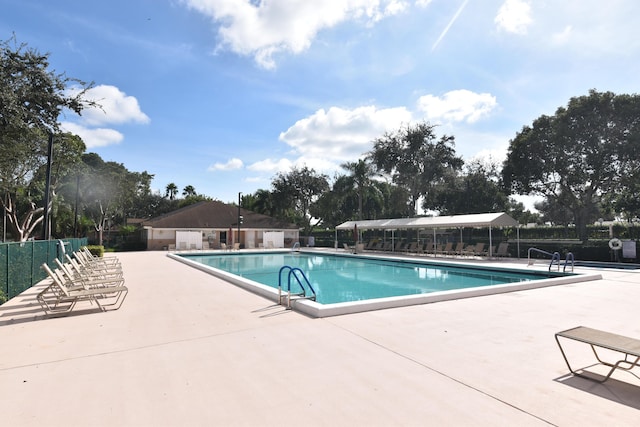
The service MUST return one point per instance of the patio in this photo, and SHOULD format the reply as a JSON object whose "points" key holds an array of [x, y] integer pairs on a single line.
{"points": [[187, 348]]}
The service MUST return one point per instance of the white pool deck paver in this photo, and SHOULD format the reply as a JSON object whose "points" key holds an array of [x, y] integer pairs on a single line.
{"points": [[187, 348]]}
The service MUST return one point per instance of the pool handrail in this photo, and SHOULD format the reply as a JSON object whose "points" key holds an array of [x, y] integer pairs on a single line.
{"points": [[555, 257], [295, 247], [293, 271], [566, 261]]}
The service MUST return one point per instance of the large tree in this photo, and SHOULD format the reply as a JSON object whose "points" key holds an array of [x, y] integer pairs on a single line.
{"points": [[261, 202], [32, 96], [108, 192], [294, 192], [580, 154], [477, 190], [22, 178], [360, 179], [416, 159]]}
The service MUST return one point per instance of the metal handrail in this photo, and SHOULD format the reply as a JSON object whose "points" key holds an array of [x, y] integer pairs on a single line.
{"points": [[536, 250], [555, 257], [293, 271], [295, 246], [566, 261]]}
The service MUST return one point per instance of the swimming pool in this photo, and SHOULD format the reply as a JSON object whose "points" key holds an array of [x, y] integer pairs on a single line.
{"points": [[346, 283]]}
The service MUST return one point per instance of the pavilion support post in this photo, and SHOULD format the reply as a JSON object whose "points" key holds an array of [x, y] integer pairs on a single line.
{"points": [[490, 243]]}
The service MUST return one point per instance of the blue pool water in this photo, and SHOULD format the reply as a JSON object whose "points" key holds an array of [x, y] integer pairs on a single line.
{"points": [[339, 279]]}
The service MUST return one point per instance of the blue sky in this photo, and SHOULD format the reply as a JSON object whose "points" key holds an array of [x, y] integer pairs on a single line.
{"points": [[224, 94]]}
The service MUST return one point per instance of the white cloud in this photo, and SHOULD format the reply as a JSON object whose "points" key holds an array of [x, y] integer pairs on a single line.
{"points": [[423, 3], [265, 28], [563, 36], [271, 165], [514, 16], [327, 138], [232, 164], [339, 134], [115, 107], [96, 137], [457, 106], [332, 136]]}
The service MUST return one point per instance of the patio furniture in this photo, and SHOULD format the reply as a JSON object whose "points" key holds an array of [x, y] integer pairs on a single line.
{"points": [[94, 268], [458, 249], [503, 250], [476, 250], [419, 248], [62, 294], [86, 256], [595, 338], [448, 248], [88, 279], [348, 248]]}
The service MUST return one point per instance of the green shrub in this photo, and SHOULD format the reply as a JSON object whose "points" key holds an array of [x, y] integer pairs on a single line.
{"points": [[96, 250]]}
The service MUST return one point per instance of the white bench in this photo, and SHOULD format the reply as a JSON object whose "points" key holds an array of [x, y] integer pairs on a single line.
{"points": [[630, 347]]}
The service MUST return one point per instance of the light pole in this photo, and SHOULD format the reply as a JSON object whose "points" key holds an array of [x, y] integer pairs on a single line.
{"points": [[46, 232], [239, 218]]}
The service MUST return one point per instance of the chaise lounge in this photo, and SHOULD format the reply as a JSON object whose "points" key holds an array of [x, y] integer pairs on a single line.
{"points": [[595, 338], [62, 294]]}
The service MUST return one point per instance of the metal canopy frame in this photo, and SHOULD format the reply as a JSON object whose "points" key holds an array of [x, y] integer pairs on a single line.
{"points": [[488, 220]]}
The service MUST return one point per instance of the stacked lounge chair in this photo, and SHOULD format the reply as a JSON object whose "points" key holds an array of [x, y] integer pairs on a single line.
{"points": [[83, 278]]}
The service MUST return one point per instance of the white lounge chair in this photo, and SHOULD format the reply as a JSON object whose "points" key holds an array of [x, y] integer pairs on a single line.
{"points": [[90, 278], [62, 295]]}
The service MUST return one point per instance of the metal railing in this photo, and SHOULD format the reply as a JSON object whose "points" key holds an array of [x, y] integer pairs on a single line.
{"points": [[555, 258], [299, 276]]}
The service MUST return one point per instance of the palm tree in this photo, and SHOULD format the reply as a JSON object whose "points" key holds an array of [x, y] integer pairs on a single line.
{"points": [[262, 202], [171, 191], [189, 191], [361, 177]]}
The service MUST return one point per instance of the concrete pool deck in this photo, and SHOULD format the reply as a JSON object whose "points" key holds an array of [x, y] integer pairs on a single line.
{"points": [[187, 348]]}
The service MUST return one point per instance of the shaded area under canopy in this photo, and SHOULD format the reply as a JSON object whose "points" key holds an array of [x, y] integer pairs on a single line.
{"points": [[489, 220]]}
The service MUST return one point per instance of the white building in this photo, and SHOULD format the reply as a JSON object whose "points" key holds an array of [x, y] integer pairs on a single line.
{"points": [[214, 225]]}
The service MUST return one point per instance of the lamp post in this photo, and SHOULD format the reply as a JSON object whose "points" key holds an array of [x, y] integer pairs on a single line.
{"points": [[239, 218], [46, 233]]}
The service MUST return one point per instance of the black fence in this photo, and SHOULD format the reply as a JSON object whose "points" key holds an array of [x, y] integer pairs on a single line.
{"points": [[551, 239], [20, 262]]}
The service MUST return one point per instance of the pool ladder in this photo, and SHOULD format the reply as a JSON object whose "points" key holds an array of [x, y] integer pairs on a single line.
{"points": [[299, 276], [555, 259]]}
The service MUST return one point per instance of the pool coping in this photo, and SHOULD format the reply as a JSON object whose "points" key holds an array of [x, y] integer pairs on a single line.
{"points": [[317, 310]]}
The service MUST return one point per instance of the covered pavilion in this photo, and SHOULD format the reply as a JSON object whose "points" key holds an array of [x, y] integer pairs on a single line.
{"points": [[483, 220]]}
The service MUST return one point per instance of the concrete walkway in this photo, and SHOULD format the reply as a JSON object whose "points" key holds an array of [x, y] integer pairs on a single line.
{"points": [[187, 349]]}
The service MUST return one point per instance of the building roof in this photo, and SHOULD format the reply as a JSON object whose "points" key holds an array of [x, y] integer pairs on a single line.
{"points": [[499, 219], [214, 214]]}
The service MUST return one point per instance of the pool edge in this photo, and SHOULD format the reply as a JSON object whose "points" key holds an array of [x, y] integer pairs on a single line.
{"points": [[317, 310]]}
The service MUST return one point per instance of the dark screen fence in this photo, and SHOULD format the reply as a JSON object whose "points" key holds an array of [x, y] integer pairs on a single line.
{"points": [[20, 262]]}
